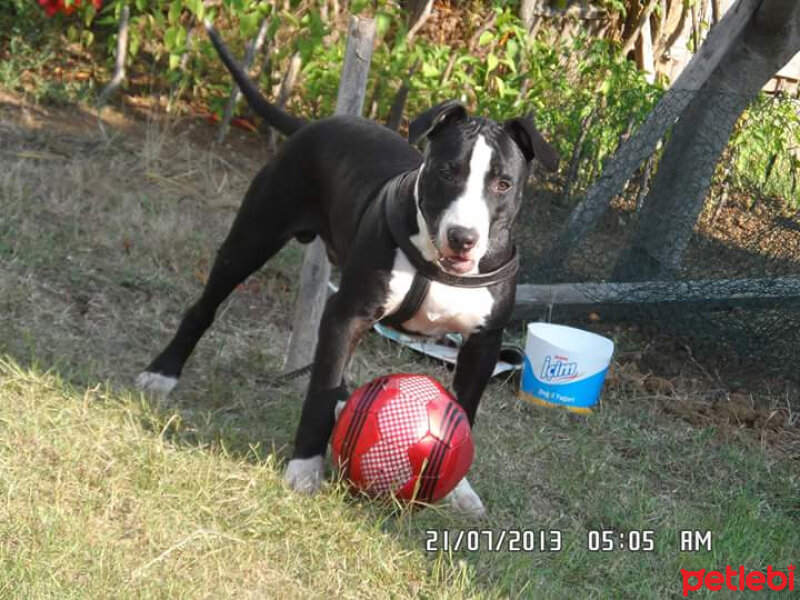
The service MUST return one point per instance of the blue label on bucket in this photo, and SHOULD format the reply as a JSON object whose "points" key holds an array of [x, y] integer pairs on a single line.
{"points": [[560, 386]]}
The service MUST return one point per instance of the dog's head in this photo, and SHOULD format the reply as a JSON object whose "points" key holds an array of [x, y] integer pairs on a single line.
{"points": [[470, 183]]}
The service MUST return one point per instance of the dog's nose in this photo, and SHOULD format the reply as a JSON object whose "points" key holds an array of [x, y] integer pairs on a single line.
{"points": [[462, 239]]}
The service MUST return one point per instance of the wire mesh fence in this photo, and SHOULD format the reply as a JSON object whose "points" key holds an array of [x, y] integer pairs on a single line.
{"points": [[706, 255]]}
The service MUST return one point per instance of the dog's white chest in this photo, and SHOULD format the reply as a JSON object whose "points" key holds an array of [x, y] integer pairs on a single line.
{"points": [[446, 309]]}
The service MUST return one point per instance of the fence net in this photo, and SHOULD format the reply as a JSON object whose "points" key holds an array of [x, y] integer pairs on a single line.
{"points": [[708, 277]]}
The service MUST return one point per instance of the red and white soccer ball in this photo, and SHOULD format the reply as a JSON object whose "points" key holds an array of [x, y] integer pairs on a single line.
{"points": [[405, 435]]}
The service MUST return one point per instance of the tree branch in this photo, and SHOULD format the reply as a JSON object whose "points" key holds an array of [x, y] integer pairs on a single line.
{"points": [[122, 55], [249, 54], [421, 12], [637, 29]]}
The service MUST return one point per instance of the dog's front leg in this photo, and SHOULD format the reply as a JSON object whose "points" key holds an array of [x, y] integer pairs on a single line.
{"points": [[476, 361], [341, 327]]}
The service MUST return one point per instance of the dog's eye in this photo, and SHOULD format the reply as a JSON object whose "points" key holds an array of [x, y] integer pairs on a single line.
{"points": [[447, 173], [501, 185]]}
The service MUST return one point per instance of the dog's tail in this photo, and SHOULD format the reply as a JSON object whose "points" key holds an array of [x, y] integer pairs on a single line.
{"points": [[277, 118]]}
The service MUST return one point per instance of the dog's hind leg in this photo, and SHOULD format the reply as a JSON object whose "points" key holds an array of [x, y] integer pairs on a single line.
{"points": [[259, 231]]}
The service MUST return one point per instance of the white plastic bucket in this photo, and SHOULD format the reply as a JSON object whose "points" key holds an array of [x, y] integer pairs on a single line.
{"points": [[564, 366]]}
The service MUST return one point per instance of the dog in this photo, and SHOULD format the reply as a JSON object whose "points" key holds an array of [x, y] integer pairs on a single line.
{"points": [[422, 240]]}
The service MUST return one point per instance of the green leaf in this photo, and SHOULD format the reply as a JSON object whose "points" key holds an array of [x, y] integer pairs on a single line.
{"points": [[169, 38], [491, 62], [87, 37], [174, 61], [248, 25], [175, 11], [512, 48], [157, 18], [88, 15], [274, 25], [199, 10], [501, 86], [134, 42], [72, 33], [382, 23], [180, 39], [486, 37], [429, 71]]}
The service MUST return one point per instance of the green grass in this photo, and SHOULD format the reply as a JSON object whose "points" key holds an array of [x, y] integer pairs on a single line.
{"points": [[105, 493], [98, 499]]}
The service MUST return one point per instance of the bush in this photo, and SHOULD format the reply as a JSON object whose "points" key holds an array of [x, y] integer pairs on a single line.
{"points": [[576, 84], [765, 147]]}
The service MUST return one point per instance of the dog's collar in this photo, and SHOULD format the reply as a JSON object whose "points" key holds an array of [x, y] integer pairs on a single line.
{"points": [[396, 215]]}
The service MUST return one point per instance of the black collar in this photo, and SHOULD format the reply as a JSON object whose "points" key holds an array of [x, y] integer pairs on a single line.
{"points": [[396, 213]]}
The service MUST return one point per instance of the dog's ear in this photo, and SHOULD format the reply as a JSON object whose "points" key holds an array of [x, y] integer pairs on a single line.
{"points": [[531, 142], [448, 111]]}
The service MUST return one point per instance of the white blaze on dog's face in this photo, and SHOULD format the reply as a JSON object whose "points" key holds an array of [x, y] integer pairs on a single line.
{"points": [[463, 234]]}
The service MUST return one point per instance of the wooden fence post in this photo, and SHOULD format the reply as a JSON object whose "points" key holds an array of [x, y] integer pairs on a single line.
{"points": [[316, 268]]}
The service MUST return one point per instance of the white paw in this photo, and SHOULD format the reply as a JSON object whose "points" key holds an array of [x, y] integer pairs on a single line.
{"points": [[305, 474], [339, 408], [156, 382], [464, 500]]}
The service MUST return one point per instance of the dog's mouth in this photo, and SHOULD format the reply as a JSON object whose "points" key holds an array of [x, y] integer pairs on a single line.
{"points": [[457, 264]]}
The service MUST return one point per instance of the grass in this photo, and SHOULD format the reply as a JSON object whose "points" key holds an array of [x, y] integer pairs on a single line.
{"points": [[105, 493], [97, 498]]}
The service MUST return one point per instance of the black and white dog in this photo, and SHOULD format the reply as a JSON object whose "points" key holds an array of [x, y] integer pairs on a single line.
{"points": [[422, 241]]}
